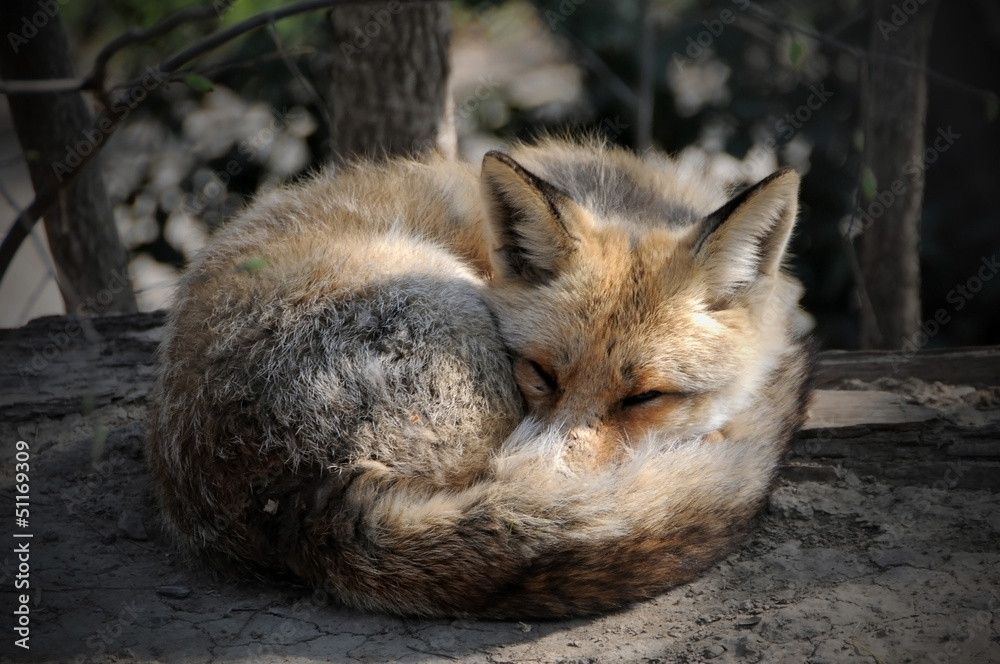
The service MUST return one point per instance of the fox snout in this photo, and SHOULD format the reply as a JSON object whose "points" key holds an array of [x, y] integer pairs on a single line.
{"points": [[584, 433], [590, 444]]}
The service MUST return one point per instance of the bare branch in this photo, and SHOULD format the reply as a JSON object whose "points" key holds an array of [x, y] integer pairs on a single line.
{"points": [[321, 106], [252, 23], [27, 218], [868, 55], [45, 198], [212, 70], [41, 86], [594, 63], [95, 80]]}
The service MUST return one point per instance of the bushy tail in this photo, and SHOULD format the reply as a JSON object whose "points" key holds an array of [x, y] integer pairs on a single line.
{"points": [[533, 539]]}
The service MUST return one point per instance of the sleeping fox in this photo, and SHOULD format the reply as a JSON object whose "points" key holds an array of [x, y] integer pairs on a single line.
{"points": [[551, 388]]}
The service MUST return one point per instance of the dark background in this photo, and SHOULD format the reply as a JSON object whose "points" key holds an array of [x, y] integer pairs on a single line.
{"points": [[768, 68]]}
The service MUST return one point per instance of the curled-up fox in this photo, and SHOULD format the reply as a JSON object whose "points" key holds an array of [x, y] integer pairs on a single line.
{"points": [[552, 388]]}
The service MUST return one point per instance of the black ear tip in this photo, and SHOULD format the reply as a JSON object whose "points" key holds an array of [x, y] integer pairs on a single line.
{"points": [[492, 154], [496, 155]]}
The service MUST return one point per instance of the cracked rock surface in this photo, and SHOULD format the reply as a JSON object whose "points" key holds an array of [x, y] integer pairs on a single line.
{"points": [[848, 571]]}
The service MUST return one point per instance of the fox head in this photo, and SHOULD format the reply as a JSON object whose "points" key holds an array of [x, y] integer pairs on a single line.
{"points": [[636, 311]]}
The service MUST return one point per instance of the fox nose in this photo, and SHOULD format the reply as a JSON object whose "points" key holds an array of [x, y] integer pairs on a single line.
{"points": [[583, 432], [586, 447]]}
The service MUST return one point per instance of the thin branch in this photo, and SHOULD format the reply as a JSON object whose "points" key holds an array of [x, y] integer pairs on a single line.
{"points": [[95, 81], [627, 96], [862, 54], [45, 198], [41, 86], [6, 195], [25, 220], [847, 22], [594, 63], [241, 28], [173, 64], [39, 247], [321, 106], [53, 273], [213, 70], [50, 270]]}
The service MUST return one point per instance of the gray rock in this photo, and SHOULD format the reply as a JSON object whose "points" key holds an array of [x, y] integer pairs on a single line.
{"points": [[173, 592], [131, 525], [789, 506], [712, 652]]}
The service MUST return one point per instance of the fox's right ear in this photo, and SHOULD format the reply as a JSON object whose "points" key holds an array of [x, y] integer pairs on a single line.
{"points": [[746, 238], [529, 221]]}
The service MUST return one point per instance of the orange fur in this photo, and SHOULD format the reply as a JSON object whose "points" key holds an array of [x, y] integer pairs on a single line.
{"points": [[549, 390]]}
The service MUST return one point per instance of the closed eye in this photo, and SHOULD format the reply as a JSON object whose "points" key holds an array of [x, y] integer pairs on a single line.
{"points": [[641, 398], [546, 377]]}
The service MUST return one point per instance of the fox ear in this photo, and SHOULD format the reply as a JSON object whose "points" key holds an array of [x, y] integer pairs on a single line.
{"points": [[528, 220], [747, 237]]}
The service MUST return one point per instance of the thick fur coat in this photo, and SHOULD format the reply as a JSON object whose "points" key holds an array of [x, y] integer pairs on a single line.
{"points": [[551, 388]]}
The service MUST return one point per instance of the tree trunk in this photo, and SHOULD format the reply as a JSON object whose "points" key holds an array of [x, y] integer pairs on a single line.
{"points": [[646, 65], [389, 79], [896, 110], [91, 263]]}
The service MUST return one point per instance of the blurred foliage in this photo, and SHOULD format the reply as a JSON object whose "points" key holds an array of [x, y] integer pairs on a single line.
{"points": [[765, 68], [767, 72], [93, 23], [726, 85]]}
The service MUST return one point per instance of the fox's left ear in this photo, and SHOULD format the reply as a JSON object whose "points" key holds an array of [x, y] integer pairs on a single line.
{"points": [[746, 238], [529, 221]]}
